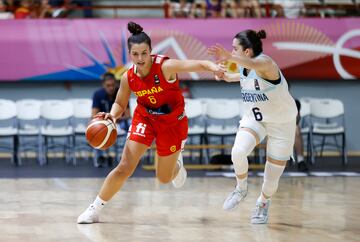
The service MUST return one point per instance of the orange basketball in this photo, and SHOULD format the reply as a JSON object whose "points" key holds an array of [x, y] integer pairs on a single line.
{"points": [[101, 134]]}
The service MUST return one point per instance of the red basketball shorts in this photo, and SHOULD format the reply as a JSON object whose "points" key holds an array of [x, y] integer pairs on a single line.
{"points": [[168, 138]]}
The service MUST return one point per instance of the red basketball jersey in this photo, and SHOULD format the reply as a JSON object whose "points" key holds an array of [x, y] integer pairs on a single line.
{"points": [[154, 92]]}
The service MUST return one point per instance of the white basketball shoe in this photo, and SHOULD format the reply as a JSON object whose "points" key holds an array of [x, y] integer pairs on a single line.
{"points": [[89, 216], [260, 214], [180, 178], [235, 198]]}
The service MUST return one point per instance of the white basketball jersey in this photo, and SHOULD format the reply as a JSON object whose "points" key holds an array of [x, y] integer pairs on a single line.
{"points": [[266, 101]]}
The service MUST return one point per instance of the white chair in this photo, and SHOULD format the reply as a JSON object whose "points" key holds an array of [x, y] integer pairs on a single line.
{"points": [[57, 126], [328, 119], [222, 119], [8, 129], [82, 115], [195, 114], [28, 116]]}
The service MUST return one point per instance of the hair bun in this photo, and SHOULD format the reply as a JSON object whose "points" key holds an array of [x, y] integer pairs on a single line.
{"points": [[134, 28], [261, 34]]}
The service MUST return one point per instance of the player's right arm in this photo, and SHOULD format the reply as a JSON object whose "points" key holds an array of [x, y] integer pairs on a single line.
{"points": [[229, 77], [121, 101]]}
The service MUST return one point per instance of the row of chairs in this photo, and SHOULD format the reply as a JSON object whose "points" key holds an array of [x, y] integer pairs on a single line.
{"points": [[35, 124], [43, 126], [321, 119]]}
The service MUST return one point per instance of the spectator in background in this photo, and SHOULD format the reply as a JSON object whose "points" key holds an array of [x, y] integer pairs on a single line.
{"points": [[180, 8], [23, 12], [4, 12], [288, 8], [41, 9], [249, 8], [198, 9], [213, 8], [103, 99], [86, 4], [228, 9]]}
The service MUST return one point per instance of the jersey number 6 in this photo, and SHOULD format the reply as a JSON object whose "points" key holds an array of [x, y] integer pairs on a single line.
{"points": [[152, 99], [258, 116]]}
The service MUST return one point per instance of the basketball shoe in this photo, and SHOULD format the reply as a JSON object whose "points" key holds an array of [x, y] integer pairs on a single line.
{"points": [[235, 198], [89, 216], [260, 214]]}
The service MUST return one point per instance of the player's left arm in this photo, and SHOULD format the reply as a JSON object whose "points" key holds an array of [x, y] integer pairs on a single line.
{"points": [[172, 66], [263, 65]]}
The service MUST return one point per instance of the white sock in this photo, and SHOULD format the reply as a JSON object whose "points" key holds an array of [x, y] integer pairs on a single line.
{"points": [[262, 199], [241, 183], [98, 204]]}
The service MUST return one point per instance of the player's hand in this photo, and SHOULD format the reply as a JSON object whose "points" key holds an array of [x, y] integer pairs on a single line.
{"points": [[220, 75], [219, 71], [220, 53], [105, 116]]}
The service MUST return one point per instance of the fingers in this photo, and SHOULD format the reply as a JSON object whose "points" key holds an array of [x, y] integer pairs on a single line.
{"points": [[105, 116], [99, 115], [108, 116]]}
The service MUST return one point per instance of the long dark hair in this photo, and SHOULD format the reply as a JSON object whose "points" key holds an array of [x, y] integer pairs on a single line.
{"points": [[137, 35], [251, 39]]}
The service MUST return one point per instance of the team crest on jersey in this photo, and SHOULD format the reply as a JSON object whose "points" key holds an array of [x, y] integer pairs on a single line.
{"points": [[157, 80], [257, 86]]}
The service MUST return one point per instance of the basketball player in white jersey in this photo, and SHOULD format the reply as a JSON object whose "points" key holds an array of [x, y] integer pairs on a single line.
{"points": [[271, 112]]}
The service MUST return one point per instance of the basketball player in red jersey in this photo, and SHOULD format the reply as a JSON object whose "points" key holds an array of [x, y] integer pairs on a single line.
{"points": [[158, 116]]}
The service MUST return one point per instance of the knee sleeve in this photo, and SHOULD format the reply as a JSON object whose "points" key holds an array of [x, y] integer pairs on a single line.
{"points": [[245, 142], [272, 176]]}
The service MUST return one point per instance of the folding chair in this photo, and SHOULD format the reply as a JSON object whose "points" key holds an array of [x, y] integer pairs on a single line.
{"points": [[328, 120], [28, 116], [56, 127], [82, 115], [8, 129], [195, 114], [222, 118]]}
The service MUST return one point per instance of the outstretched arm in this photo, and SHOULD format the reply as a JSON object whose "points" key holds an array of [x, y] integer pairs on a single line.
{"points": [[172, 66], [229, 77], [260, 65]]}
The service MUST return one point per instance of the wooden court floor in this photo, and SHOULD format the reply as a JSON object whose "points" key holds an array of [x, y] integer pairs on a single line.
{"points": [[304, 209]]}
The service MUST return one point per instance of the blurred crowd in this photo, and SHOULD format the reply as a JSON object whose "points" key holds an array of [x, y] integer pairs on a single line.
{"points": [[253, 9], [38, 9], [24, 9]]}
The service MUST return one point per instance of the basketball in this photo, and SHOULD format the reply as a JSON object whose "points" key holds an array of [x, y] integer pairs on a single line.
{"points": [[101, 134]]}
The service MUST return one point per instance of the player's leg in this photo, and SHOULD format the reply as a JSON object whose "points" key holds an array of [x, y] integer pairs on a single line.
{"points": [[170, 142], [140, 137], [248, 136], [131, 155], [170, 168], [280, 145]]}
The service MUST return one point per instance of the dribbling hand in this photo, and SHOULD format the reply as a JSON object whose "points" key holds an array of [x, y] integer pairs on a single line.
{"points": [[105, 116]]}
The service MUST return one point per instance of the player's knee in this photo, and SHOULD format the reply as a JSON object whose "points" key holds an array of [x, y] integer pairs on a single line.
{"points": [[238, 154], [124, 170], [239, 159]]}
